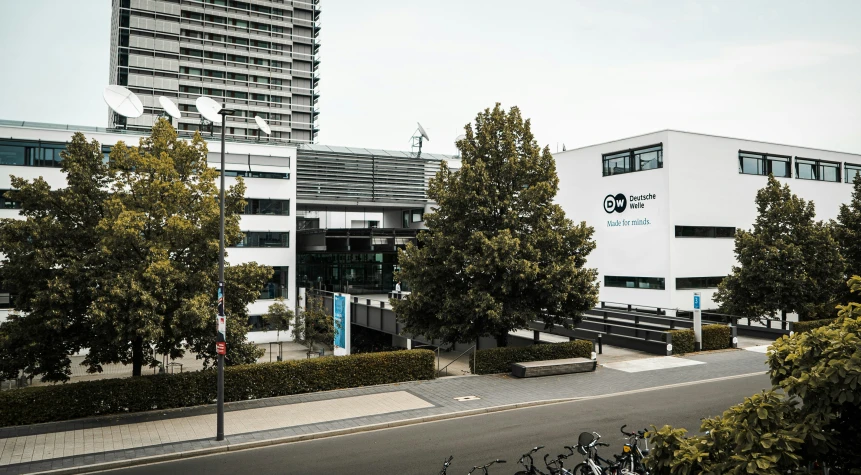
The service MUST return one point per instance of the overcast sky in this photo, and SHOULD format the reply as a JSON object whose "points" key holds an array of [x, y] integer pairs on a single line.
{"points": [[584, 71]]}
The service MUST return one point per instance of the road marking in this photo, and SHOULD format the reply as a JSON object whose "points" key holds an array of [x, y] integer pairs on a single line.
{"points": [[652, 364], [758, 349], [467, 398]]}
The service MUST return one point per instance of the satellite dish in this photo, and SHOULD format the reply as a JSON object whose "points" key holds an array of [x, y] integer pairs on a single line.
{"points": [[208, 108], [122, 101], [459, 138], [169, 107], [262, 125], [422, 130]]}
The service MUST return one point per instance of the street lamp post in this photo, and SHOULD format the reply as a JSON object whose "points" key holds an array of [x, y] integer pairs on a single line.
{"points": [[221, 337]]}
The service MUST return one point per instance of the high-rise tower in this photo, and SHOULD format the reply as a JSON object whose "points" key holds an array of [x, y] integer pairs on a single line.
{"points": [[259, 57]]}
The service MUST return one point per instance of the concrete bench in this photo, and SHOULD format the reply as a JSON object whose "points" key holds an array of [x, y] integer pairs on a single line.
{"points": [[551, 367]]}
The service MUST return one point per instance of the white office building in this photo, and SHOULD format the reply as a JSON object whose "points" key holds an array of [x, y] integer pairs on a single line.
{"points": [[269, 221], [665, 206]]}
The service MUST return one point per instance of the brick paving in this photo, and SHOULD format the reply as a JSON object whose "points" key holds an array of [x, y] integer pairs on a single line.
{"points": [[71, 444]]}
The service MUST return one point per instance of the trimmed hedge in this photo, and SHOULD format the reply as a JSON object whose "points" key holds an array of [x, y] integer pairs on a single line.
{"points": [[800, 327], [112, 396], [499, 360], [683, 341], [715, 337]]}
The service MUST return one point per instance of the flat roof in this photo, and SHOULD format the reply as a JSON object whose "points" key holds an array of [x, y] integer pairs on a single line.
{"points": [[318, 148], [708, 135]]}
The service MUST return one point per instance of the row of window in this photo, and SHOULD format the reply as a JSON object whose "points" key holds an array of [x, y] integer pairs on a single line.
{"points": [[30, 154], [413, 216], [705, 231], [633, 160], [235, 40], [250, 174], [752, 163], [265, 239], [220, 20], [236, 58], [212, 92], [212, 73], [267, 207], [658, 283]]}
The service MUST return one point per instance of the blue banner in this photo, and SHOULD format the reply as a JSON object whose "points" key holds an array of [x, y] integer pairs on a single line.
{"points": [[340, 321]]}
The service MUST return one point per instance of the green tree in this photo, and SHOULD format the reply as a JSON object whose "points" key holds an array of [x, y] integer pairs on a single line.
{"points": [[314, 325], [123, 261], [787, 263], [278, 317], [810, 416], [847, 233], [498, 252]]}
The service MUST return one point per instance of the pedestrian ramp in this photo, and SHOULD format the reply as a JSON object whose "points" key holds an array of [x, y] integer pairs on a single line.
{"points": [[758, 348], [651, 364]]}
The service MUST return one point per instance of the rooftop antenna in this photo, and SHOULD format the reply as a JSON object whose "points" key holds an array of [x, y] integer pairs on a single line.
{"points": [[123, 102], [418, 137], [262, 125], [169, 109], [208, 109]]}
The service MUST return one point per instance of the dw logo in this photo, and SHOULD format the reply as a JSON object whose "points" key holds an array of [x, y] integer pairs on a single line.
{"points": [[616, 203]]}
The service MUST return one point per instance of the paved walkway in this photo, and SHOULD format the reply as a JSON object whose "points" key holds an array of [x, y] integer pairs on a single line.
{"points": [[72, 446]]}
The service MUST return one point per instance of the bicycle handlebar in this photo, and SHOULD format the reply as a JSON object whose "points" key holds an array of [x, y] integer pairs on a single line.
{"points": [[640, 434]]}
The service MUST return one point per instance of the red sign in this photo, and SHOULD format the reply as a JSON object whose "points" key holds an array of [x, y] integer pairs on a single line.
{"points": [[221, 347]]}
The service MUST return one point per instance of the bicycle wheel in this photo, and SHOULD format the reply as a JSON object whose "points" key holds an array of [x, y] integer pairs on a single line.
{"points": [[582, 469]]}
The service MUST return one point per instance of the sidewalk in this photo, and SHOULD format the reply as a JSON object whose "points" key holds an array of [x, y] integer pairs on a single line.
{"points": [[114, 441]]}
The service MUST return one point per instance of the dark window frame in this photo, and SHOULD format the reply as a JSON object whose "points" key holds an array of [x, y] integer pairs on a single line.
{"points": [[632, 160], [766, 163], [705, 232], [265, 239], [692, 283], [850, 166], [613, 281], [818, 169], [266, 207]]}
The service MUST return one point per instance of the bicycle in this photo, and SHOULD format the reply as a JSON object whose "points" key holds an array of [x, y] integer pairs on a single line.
{"points": [[632, 456], [484, 467], [445, 465], [587, 446], [556, 466], [529, 464]]}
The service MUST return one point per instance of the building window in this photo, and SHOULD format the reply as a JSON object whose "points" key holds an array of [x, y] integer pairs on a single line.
{"points": [[683, 283], [277, 284], [417, 215], [705, 231], [268, 207], [250, 174], [654, 283], [752, 163], [6, 203], [30, 154], [633, 160], [307, 223], [810, 169], [850, 171], [264, 239]]}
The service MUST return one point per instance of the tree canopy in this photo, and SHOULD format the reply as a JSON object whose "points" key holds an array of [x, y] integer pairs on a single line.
{"points": [[787, 263], [847, 233], [123, 260], [498, 252], [314, 324]]}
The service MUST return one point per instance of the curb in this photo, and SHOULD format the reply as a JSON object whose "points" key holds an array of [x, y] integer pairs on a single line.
{"points": [[366, 428]]}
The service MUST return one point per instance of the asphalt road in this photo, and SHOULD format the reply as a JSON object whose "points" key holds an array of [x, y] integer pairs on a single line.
{"points": [[420, 449]]}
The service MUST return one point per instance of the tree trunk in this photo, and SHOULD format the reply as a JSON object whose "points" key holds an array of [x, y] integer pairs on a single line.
{"points": [[783, 315], [502, 340], [137, 356]]}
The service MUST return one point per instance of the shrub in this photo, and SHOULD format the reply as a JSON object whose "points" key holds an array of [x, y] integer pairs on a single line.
{"points": [[683, 341], [111, 396], [716, 337], [799, 327], [499, 360]]}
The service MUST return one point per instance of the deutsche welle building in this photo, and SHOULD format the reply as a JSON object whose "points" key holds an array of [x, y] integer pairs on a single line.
{"points": [[665, 206]]}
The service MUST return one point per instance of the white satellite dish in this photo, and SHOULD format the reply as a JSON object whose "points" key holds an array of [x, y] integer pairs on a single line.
{"points": [[208, 108], [422, 130], [169, 107], [262, 125], [459, 138], [122, 101]]}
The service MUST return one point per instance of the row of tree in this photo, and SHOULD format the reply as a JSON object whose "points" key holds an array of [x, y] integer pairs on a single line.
{"points": [[790, 262]]}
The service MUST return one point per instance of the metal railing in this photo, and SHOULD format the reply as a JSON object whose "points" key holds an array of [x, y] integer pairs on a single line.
{"points": [[445, 368]]}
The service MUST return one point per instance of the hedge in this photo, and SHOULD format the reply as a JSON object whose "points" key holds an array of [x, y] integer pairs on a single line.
{"points": [[800, 327], [499, 360], [715, 337], [683, 341], [112, 396]]}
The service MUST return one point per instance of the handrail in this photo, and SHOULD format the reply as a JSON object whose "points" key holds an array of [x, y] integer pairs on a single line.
{"points": [[473, 347], [435, 351]]}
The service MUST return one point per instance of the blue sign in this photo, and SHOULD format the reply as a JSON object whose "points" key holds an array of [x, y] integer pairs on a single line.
{"points": [[696, 302], [340, 321]]}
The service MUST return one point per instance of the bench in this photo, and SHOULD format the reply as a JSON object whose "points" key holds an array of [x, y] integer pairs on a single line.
{"points": [[551, 367]]}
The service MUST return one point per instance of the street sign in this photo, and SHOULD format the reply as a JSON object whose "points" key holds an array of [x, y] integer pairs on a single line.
{"points": [[698, 323], [696, 301]]}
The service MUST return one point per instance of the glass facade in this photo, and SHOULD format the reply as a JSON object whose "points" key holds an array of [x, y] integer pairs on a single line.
{"points": [[354, 273], [267, 207], [277, 284], [30, 154], [264, 239]]}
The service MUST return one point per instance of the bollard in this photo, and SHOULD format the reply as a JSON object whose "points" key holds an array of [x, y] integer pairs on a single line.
{"points": [[600, 346]]}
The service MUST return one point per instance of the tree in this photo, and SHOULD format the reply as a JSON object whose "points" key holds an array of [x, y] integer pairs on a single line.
{"points": [[787, 263], [278, 317], [314, 325], [847, 233], [811, 415], [123, 261], [498, 253]]}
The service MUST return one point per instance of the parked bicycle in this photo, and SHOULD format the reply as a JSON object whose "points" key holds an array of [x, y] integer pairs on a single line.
{"points": [[484, 467], [632, 455], [556, 466], [528, 463], [445, 465], [593, 464]]}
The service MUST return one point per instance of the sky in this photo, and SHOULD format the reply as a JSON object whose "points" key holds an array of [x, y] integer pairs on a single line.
{"points": [[584, 72]]}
